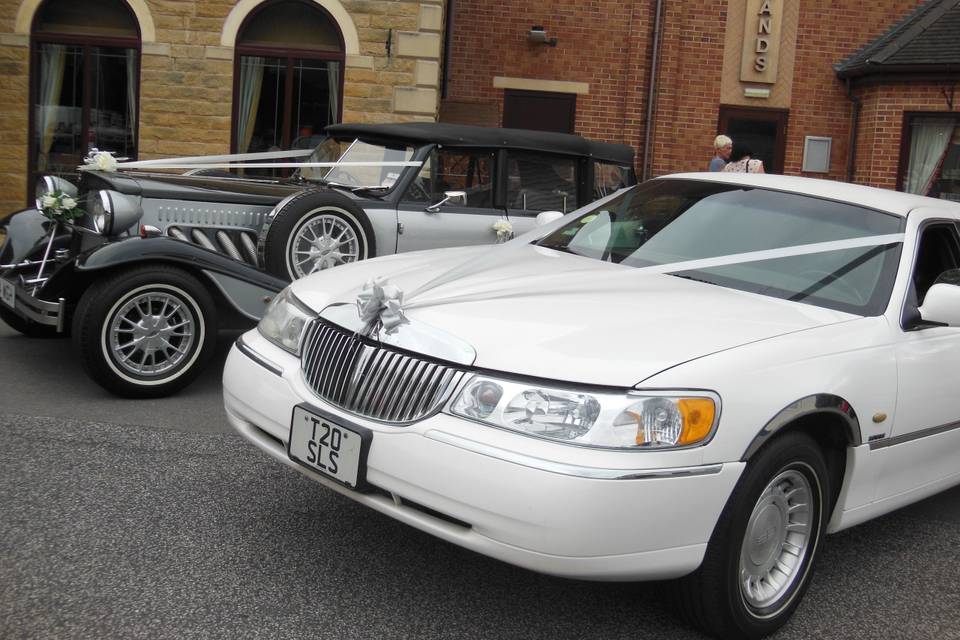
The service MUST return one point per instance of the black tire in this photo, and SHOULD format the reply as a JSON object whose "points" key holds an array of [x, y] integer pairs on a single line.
{"points": [[28, 328], [305, 213], [712, 597], [179, 340]]}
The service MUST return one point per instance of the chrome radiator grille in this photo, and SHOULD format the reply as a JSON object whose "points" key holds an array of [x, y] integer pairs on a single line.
{"points": [[373, 380]]}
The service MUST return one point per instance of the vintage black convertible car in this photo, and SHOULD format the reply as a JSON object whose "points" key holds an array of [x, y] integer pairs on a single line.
{"points": [[160, 261]]}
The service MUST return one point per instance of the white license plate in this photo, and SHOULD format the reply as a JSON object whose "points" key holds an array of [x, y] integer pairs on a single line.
{"points": [[326, 446], [7, 293]]}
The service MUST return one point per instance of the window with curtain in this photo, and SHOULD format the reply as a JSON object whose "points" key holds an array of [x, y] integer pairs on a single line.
{"points": [[288, 79], [85, 81], [933, 160]]}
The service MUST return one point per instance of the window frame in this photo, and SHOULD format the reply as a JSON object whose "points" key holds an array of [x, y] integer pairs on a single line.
{"points": [[906, 138], [289, 55], [87, 43]]}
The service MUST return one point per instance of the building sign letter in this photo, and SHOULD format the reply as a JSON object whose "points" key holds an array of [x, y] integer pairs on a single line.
{"points": [[761, 41]]}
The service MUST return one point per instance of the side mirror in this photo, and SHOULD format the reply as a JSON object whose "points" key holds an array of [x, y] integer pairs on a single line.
{"points": [[454, 197], [942, 304], [546, 217]]}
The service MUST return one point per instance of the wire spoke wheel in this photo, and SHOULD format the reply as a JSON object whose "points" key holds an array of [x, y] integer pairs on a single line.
{"points": [[151, 333], [322, 242], [777, 540]]}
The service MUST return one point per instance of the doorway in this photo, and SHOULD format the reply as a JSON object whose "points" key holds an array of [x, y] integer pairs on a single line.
{"points": [[763, 131]]}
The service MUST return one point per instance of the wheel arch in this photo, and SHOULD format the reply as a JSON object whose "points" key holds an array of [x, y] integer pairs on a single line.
{"points": [[827, 418]]}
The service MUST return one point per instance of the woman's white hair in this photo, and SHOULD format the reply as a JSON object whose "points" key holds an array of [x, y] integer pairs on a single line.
{"points": [[721, 141]]}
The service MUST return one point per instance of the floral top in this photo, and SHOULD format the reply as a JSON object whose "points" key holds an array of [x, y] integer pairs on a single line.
{"points": [[747, 165]]}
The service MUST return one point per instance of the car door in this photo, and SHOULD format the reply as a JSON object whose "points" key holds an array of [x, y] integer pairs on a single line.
{"points": [[458, 222], [538, 182], [923, 445]]}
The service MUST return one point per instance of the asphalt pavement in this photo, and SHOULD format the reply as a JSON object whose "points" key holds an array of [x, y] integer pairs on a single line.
{"points": [[125, 519]]}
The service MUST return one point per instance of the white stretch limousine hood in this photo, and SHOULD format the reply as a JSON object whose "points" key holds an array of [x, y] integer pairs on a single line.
{"points": [[538, 312]]}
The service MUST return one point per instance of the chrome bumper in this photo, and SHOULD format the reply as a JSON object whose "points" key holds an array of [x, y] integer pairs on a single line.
{"points": [[25, 305]]}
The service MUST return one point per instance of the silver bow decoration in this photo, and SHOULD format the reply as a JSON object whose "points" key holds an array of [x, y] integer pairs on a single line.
{"points": [[380, 305]]}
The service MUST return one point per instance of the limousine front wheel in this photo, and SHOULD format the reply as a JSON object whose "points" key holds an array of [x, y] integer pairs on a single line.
{"points": [[146, 332], [759, 560]]}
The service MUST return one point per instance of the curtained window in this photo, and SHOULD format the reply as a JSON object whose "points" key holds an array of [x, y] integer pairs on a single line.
{"points": [[84, 83], [288, 79], [933, 163]]}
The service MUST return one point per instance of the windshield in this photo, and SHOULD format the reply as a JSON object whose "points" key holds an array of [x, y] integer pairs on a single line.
{"points": [[669, 221], [329, 150]]}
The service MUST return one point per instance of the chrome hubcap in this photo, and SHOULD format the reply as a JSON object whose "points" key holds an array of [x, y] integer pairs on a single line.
{"points": [[152, 333], [777, 540], [321, 243]]}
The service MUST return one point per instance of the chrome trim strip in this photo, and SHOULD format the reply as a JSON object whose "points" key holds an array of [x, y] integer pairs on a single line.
{"points": [[576, 471], [820, 403], [248, 351], [916, 435]]}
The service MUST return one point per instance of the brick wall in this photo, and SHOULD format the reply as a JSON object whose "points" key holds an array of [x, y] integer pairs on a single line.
{"points": [[882, 122], [608, 45], [600, 42], [820, 105], [186, 80]]}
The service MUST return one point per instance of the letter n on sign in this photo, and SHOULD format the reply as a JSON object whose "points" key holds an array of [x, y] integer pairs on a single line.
{"points": [[761, 41]]}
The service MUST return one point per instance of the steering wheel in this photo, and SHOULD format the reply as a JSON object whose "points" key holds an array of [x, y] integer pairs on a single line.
{"points": [[831, 278]]}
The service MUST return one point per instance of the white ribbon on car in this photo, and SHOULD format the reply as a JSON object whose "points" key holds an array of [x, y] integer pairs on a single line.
{"points": [[242, 161], [380, 306]]}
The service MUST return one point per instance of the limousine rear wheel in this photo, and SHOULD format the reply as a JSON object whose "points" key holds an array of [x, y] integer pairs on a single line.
{"points": [[145, 332], [316, 230], [759, 561]]}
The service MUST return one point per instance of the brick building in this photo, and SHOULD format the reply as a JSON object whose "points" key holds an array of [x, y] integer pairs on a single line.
{"points": [[841, 90]]}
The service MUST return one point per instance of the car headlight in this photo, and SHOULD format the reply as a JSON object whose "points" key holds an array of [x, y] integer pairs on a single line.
{"points": [[285, 321], [622, 420], [113, 212], [47, 185]]}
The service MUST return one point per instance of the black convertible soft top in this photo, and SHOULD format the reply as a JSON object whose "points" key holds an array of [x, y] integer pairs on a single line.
{"points": [[465, 136]]}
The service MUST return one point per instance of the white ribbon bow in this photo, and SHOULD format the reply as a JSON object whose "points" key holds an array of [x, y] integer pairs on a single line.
{"points": [[99, 161], [380, 305]]}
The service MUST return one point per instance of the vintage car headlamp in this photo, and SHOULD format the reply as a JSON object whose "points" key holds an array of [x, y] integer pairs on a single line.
{"points": [[596, 418], [285, 321], [113, 212], [48, 185]]}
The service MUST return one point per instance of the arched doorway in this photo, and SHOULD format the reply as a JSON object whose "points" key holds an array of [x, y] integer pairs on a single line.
{"points": [[84, 83], [288, 77]]}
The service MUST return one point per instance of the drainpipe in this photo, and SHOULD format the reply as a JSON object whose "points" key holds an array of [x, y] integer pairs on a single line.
{"points": [[854, 123], [651, 92]]}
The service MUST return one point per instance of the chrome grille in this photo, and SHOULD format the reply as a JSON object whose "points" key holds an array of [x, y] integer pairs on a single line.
{"points": [[371, 380]]}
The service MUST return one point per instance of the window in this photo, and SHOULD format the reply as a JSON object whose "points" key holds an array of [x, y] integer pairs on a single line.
{"points": [[84, 83], [451, 170], [932, 161], [673, 221], [288, 78], [541, 182]]}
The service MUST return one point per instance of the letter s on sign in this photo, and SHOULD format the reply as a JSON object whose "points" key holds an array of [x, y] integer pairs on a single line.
{"points": [[760, 64]]}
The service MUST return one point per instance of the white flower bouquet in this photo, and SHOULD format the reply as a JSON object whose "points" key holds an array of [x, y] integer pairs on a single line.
{"points": [[503, 229], [60, 207]]}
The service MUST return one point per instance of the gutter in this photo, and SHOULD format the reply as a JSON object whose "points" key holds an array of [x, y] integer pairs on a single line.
{"points": [[854, 123], [651, 92]]}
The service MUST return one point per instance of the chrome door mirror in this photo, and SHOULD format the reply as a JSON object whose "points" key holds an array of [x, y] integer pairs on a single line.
{"points": [[453, 197], [941, 305]]}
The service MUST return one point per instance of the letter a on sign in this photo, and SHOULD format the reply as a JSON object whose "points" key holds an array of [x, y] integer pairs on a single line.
{"points": [[765, 9]]}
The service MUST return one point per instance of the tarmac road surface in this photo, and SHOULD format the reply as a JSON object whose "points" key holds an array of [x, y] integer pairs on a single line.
{"points": [[133, 519]]}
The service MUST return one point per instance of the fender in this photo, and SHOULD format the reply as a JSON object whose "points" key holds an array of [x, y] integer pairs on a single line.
{"points": [[245, 287], [25, 230], [810, 405]]}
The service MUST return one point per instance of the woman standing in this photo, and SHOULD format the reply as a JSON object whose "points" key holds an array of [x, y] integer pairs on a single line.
{"points": [[741, 161]]}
